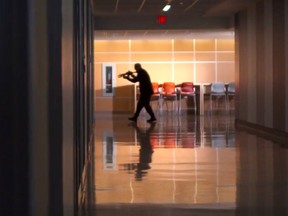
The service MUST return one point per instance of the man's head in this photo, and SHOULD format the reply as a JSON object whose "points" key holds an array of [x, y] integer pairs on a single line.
{"points": [[137, 66]]}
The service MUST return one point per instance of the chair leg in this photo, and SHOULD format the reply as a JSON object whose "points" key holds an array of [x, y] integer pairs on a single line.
{"points": [[228, 102], [159, 104], [167, 108], [180, 106], [195, 105], [210, 104], [164, 101]]}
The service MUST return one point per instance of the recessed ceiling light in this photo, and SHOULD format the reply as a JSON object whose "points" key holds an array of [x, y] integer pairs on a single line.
{"points": [[167, 7]]}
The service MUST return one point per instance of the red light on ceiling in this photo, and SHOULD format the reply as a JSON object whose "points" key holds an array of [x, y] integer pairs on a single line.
{"points": [[162, 19]]}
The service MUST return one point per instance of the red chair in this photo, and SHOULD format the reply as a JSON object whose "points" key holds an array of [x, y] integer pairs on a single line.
{"points": [[169, 93], [156, 95], [187, 91]]}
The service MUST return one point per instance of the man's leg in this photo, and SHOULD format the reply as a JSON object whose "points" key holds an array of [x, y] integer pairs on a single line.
{"points": [[139, 107], [151, 113], [149, 110]]}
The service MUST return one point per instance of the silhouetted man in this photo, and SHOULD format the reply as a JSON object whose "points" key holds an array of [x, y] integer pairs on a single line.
{"points": [[146, 91]]}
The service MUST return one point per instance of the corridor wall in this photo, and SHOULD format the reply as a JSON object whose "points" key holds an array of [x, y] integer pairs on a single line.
{"points": [[46, 111], [261, 65]]}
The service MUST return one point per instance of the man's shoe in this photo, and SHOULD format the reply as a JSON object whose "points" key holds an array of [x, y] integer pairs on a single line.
{"points": [[151, 120], [133, 119]]}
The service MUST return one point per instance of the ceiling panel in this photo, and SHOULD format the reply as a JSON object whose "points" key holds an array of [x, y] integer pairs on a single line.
{"points": [[126, 19], [152, 7]]}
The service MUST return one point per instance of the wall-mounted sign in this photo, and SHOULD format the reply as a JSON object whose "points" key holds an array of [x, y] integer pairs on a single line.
{"points": [[108, 79]]}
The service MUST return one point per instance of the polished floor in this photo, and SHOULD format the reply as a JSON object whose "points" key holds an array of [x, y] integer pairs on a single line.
{"points": [[184, 165]]}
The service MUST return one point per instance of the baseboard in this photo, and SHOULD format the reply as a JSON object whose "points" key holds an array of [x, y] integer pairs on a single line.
{"points": [[111, 113], [274, 135]]}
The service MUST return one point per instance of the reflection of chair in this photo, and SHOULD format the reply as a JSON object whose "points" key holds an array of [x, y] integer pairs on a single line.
{"points": [[188, 140], [219, 140], [230, 92], [170, 139], [156, 95], [186, 92], [155, 140], [219, 131], [169, 93], [218, 90], [220, 134], [231, 141]]}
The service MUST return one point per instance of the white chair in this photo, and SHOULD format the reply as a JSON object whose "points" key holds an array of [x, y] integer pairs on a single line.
{"points": [[218, 90]]}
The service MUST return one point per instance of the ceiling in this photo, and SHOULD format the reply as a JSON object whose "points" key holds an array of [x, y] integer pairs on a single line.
{"points": [[137, 19]]}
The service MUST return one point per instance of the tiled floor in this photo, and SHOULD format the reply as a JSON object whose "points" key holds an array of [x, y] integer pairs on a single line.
{"points": [[184, 166]]}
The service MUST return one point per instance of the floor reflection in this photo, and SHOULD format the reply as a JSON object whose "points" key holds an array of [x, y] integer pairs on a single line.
{"points": [[145, 151], [175, 160], [184, 165]]}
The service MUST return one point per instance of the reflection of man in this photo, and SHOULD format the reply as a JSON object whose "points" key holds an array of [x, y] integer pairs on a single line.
{"points": [[145, 152], [146, 91]]}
